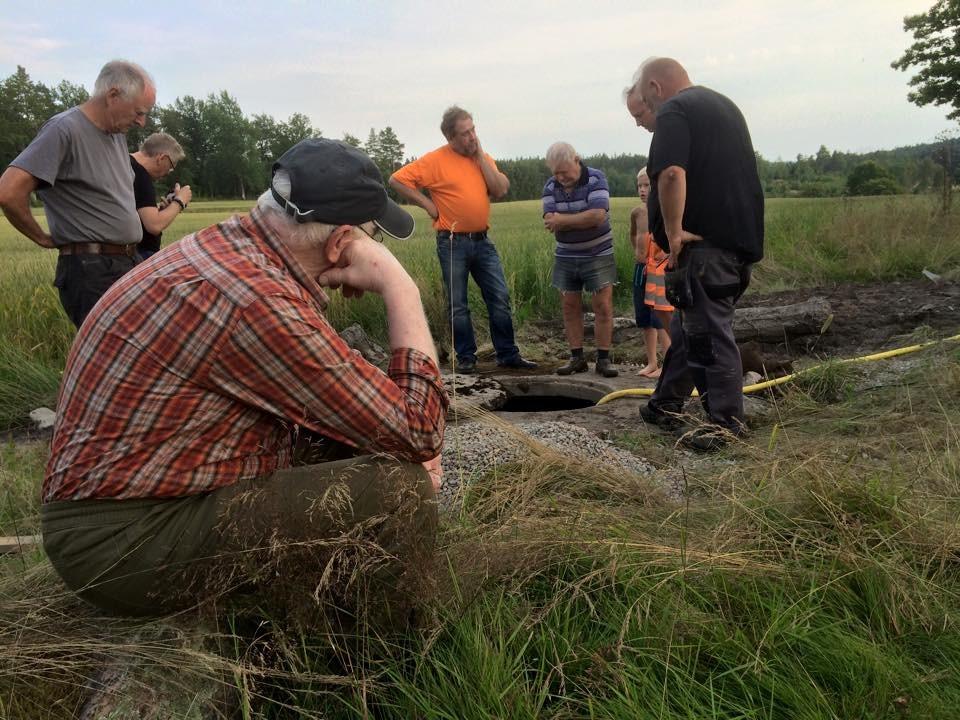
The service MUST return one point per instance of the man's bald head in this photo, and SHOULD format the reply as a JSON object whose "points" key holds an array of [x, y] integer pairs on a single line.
{"points": [[657, 80]]}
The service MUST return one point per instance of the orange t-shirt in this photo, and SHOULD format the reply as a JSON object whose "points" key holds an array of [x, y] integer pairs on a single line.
{"points": [[456, 187]]}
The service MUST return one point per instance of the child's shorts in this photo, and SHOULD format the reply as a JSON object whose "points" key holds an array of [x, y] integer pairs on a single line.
{"points": [[643, 313]]}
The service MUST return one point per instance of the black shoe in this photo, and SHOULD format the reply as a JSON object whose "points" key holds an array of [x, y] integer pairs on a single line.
{"points": [[518, 363], [706, 439], [658, 418], [605, 368], [574, 365], [467, 367]]}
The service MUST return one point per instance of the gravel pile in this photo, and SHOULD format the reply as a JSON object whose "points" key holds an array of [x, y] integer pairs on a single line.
{"points": [[472, 449]]}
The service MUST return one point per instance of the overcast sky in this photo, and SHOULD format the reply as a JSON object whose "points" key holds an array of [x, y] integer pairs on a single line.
{"points": [[804, 73]]}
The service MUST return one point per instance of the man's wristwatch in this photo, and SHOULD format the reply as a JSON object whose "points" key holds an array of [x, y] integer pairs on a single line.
{"points": [[178, 201]]}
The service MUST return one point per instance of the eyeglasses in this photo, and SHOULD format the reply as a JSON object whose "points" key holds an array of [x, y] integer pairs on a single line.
{"points": [[173, 165], [376, 235]]}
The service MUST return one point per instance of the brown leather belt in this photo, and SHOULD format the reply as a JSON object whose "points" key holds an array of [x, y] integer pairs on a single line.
{"points": [[95, 248]]}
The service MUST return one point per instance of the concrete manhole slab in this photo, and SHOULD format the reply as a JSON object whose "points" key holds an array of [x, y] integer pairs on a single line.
{"points": [[532, 393]]}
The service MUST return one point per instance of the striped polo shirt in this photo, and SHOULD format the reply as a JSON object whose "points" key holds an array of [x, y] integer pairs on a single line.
{"points": [[590, 193]]}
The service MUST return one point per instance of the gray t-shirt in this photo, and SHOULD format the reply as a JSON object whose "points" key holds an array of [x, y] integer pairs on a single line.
{"points": [[86, 182]]}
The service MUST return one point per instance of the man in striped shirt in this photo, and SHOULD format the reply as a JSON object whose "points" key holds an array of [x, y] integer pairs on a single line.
{"points": [[576, 209], [195, 381]]}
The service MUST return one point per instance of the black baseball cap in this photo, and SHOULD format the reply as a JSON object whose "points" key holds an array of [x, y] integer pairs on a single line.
{"points": [[335, 183]]}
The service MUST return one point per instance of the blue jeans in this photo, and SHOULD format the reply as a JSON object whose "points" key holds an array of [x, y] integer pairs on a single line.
{"points": [[460, 258]]}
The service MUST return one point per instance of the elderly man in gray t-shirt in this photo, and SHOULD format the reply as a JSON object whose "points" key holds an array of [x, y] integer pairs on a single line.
{"points": [[80, 167]]}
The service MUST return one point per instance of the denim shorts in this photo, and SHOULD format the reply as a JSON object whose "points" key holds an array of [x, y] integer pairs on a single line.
{"points": [[643, 313], [589, 273]]}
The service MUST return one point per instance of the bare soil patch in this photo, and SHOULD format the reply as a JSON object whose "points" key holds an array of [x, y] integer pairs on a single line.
{"points": [[865, 318]]}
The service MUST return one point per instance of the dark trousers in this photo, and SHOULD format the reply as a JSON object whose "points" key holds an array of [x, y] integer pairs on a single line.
{"points": [[291, 531], [83, 279], [703, 351]]}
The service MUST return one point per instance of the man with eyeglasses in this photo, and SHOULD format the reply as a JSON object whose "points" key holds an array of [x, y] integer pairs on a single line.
{"points": [[79, 165], [214, 430], [461, 179], [706, 210], [157, 157]]}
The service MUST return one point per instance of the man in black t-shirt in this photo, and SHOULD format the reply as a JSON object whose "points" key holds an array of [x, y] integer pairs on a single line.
{"points": [[706, 210], [157, 157]]}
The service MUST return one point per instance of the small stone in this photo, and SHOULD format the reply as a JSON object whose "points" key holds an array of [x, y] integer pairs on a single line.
{"points": [[357, 338], [751, 378], [43, 418]]}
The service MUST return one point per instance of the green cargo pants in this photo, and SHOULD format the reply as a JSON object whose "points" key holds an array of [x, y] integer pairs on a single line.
{"points": [[317, 526]]}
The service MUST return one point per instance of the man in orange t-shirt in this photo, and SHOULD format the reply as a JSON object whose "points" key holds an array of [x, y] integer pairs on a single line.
{"points": [[461, 179]]}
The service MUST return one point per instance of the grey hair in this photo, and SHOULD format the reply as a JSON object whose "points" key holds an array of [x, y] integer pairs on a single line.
{"points": [[560, 152], [451, 116], [163, 144], [634, 88], [297, 234], [129, 78]]}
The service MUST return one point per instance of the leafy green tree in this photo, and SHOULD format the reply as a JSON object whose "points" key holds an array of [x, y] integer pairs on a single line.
{"points": [[184, 121], [880, 186], [231, 166], [389, 155], [351, 140], [298, 128], [24, 106], [869, 178], [935, 52], [272, 139], [372, 146], [267, 139], [67, 95], [384, 148]]}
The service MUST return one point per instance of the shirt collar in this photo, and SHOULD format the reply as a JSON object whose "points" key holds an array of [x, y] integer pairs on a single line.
{"points": [[262, 230]]}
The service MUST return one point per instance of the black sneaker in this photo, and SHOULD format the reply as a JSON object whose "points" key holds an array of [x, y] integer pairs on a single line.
{"points": [[658, 418], [706, 439], [467, 367], [605, 368], [518, 363], [574, 365]]}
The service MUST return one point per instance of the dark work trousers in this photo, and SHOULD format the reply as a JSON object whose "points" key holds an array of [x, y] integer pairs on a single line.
{"points": [[703, 352], [154, 556], [83, 279]]}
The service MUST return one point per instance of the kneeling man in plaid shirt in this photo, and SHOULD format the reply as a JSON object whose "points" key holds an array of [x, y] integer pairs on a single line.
{"points": [[206, 377]]}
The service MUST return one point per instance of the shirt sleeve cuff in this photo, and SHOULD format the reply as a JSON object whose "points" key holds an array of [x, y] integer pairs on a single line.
{"points": [[407, 361]]}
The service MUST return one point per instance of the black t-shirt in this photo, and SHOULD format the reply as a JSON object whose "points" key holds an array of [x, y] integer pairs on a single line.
{"points": [[145, 195], [704, 133]]}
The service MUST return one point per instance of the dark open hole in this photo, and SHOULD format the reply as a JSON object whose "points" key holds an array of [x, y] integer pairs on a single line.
{"points": [[545, 403]]}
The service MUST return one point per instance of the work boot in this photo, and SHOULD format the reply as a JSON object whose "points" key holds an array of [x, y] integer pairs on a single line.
{"points": [[574, 365], [519, 363], [658, 418], [467, 367], [605, 368]]}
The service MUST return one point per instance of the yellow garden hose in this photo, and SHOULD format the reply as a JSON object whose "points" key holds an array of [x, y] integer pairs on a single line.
{"points": [[635, 392]]}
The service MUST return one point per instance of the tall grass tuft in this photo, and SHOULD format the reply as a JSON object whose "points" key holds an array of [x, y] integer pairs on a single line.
{"points": [[26, 382], [815, 576]]}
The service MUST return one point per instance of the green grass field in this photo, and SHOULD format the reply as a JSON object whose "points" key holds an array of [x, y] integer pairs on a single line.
{"points": [[812, 571], [809, 243]]}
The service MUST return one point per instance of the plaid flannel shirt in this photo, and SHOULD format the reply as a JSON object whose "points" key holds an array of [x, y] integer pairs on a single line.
{"points": [[193, 369]]}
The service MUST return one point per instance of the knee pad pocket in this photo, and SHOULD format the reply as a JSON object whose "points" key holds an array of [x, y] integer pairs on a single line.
{"points": [[700, 348]]}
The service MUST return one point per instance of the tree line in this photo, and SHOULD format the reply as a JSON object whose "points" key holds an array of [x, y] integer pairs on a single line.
{"points": [[230, 155]]}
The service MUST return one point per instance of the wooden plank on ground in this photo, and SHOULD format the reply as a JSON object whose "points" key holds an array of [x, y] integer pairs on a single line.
{"points": [[18, 543]]}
